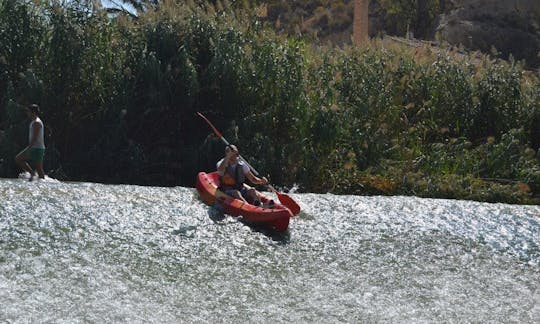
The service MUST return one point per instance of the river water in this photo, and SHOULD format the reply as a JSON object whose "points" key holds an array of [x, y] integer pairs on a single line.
{"points": [[85, 252]]}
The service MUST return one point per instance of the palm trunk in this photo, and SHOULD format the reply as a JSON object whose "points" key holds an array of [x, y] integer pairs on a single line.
{"points": [[360, 24]]}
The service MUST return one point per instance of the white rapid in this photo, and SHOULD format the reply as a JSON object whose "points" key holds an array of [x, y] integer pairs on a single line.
{"points": [[85, 252]]}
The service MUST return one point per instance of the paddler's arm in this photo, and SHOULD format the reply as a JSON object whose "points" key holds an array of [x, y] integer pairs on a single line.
{"points": [[222, 165], [256, 180]]}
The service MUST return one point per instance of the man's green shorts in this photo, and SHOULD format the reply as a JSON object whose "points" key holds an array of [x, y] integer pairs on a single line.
{"points": [[36, 155]]}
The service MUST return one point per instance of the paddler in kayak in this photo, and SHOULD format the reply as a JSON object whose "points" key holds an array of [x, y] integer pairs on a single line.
{"points": [[233, 173]]}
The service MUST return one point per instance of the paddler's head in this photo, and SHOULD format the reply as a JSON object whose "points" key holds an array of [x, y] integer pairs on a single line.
{"points": [[231, 152]]}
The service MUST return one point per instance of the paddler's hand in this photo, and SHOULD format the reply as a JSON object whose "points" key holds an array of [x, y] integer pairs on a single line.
{"points": [[264, 180]]}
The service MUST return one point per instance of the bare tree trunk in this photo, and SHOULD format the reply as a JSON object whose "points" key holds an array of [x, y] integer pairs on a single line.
{"points": [[360, 24]]}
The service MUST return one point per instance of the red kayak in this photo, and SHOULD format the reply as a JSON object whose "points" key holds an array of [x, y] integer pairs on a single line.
{"points": [[275, 217]]}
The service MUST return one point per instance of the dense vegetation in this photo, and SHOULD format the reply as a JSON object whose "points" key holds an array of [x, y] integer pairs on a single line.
{"points": [[119, 96]]}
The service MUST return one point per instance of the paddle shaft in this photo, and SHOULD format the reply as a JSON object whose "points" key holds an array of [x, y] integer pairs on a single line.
{"points": [[227, 143]]}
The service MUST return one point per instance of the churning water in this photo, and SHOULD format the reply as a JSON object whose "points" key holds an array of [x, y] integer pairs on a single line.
{"points": [[84, 252]]}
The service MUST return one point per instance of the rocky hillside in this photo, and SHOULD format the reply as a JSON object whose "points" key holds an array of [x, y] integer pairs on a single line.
{"points": [[512, 27]]}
